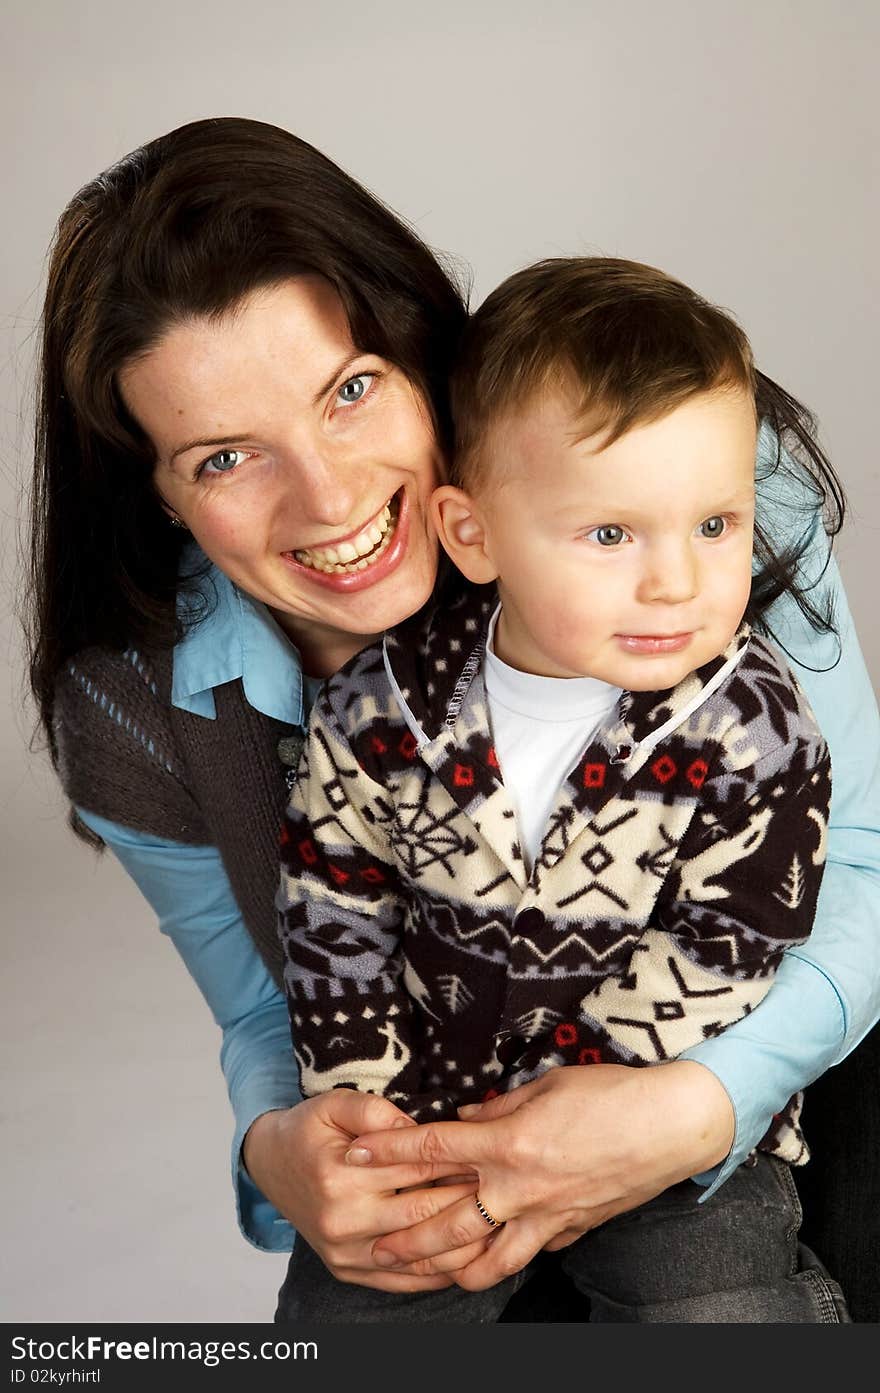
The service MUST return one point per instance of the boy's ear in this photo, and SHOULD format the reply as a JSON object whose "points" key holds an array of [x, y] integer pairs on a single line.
{"points": [[461, 528]]}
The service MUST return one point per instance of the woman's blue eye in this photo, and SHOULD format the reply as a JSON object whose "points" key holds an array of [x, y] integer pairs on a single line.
{"points": [[223, 461], [712, 527], [608, 536], [351, 392]]}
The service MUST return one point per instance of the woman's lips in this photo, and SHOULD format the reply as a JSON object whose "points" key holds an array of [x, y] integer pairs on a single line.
{"points": [[646, 644], [348, 582]]}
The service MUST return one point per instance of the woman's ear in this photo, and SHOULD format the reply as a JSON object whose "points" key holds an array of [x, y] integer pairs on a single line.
{"points": [[167, 509], [461, 527]]}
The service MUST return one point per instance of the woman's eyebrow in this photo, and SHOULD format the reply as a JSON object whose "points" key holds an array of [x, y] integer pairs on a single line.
{"points": [[202, 443], [336, 373]]}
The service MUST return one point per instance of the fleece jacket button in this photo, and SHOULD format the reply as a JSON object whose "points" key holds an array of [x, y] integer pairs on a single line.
{"points": [[529, 922]]}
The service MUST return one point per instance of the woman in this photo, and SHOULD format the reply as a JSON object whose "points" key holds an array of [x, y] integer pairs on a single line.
{"points": [[242, 414]]}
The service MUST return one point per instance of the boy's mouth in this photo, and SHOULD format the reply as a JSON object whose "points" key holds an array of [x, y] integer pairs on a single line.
{"points": [[654, 643]]}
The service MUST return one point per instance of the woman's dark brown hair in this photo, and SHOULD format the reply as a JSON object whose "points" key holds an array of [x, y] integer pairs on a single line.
{"points": [[188, 225]]}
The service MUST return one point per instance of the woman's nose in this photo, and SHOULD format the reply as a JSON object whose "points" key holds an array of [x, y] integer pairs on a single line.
{"points": [[323, 488], [669, 577]]}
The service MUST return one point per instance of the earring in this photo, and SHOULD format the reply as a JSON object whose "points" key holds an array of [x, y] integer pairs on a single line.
{"points": [[176, 522]]}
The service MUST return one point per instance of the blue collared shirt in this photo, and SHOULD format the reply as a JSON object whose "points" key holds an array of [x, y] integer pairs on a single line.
{"points": [[238, 638], [830, 986]]}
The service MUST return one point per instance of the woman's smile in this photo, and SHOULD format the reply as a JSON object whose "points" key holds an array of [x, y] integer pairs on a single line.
{"points": [[352, 561]]}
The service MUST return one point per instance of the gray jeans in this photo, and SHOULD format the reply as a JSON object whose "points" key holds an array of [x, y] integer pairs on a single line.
{"points": [[734, 1259]]}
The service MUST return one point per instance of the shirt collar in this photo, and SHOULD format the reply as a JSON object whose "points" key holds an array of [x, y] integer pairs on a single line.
{"points": [[238, 638]]}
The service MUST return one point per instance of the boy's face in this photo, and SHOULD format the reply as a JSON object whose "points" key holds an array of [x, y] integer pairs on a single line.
{"points": [[630, 563]]}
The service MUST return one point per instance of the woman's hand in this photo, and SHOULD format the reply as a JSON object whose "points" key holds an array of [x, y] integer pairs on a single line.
{"points": [[554, 1158], [296, 1157]]}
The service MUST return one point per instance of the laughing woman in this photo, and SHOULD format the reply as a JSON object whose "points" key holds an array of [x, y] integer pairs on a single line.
{"points": [[242, 416]]}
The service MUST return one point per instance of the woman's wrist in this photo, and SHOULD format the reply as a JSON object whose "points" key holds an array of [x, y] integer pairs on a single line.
{"points": [[259, 1144], [704, 1116]]}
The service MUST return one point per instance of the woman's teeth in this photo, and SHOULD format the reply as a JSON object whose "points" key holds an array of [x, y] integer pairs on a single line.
{"points": [[358, 552]]}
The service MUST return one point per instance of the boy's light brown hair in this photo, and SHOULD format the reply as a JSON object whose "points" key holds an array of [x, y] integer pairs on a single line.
{"points": [[626, 342]]}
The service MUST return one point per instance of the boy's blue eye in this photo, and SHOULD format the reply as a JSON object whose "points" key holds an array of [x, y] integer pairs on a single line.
{"points": [[712, 527], [351, 392], [608, 536]]}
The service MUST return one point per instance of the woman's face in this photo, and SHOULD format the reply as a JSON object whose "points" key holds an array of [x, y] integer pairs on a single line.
{"points": [[302, 467]]}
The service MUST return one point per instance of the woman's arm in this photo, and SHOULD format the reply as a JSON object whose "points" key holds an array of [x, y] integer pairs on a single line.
{"points": [[845, 942], [294, 1153], [831, 985], [188, 888]]}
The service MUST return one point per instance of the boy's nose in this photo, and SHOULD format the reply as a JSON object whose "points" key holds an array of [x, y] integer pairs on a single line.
{"points": [[670, 577]]}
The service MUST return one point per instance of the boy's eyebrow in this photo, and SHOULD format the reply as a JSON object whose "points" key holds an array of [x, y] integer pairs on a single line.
{"points": [[631, 507], [743, 495], [746, 495]]}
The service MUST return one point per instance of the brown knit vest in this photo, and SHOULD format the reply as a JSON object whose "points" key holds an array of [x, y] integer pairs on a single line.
{"points": [[127, 754]]}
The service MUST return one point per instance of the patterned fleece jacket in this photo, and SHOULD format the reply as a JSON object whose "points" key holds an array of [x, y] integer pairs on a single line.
{"points": [[682, 857]]}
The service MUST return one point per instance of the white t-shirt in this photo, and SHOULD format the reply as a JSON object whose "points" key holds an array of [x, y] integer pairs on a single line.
{"points": [[540, 726]]}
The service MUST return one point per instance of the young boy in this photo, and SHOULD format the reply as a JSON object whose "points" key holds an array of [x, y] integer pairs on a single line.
{"points": [[575, 812]]}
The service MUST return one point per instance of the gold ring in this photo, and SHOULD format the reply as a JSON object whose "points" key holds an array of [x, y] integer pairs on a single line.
{"points": [[490, 1218]]}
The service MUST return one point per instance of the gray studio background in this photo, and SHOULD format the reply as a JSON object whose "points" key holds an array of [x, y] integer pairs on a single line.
{"points": [[730, 143]]}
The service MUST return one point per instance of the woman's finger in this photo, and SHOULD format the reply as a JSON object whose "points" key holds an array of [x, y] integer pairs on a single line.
{"points": [[385, 1179], [421, 1206], [512, 1250], [449, 1263], [354, 1112], [390, 1281], [431, 1143], [459, 1225], [562, 1240], [500, 1106]]}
